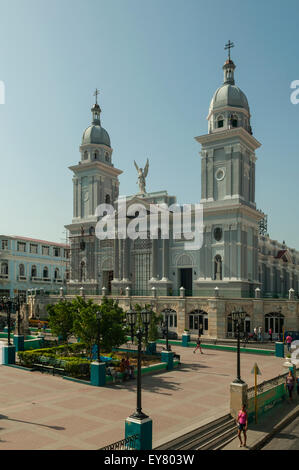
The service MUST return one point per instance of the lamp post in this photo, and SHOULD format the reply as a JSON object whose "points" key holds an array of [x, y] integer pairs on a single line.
{"points": [[140, 333], [238, 316], [165, 327], [17, 303], [99, 317], [6, 305]]}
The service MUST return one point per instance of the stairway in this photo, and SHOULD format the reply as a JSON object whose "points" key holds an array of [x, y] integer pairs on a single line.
{"points": [[212, 436]]}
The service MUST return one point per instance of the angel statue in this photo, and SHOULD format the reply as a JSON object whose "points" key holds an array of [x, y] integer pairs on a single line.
{"points": [[142, 174]]}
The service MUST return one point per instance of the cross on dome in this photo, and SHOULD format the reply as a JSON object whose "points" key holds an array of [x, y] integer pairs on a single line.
{"points": [[96, 93], [228, 47]]}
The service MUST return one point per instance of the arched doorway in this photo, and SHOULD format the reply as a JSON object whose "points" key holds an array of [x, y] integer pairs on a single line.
{"points": [[231, 329], [172, 319], [198, 322], [275, 321]]}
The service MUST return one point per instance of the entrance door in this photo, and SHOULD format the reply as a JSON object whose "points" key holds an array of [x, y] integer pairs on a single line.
{"points": [[107, 278], [186, 280]]}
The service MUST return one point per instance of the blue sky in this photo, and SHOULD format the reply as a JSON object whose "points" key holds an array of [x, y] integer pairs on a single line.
{"points": [[157, 64]]}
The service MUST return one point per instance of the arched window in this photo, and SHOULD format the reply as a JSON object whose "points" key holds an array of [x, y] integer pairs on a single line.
{"points": [[234, 120], [171, 316], [275, 321], [107, 199], [45, 272], [218, 268], [220, 121], [218, 234], [21, 270], [33, 271], [96, 155], [56, 273], [198, 322], [245, 326], [91, 231]]}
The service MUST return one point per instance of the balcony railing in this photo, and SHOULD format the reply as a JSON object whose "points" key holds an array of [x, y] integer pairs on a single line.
{"points": [[3, 276]]}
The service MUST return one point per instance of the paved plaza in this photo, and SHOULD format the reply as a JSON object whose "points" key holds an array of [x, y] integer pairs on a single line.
{"points": [[39, 411]]}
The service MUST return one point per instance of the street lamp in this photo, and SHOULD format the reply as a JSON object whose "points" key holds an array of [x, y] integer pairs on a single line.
{"points": [[238, 316], [142, 331], [165, 327], [17, 303], [99, 317], [6, 305]]}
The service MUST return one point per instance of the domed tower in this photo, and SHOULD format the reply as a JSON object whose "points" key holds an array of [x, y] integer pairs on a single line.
{"points": [[229, 252], [95, 182], [95, 178], [229, 106]]}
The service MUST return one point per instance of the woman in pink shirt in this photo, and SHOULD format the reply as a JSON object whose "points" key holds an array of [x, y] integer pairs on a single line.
{"points": [[242, 422], [289, 342]]}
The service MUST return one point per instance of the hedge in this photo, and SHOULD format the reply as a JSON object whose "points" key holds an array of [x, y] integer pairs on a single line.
{"points": [[74, 366]]}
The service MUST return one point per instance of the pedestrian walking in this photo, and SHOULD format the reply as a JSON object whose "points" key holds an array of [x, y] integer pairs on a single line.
{"points": [[270, 334], [260, 334], [198, 345], [290, 382], [289, 340], [242, 422], [255, 333]]}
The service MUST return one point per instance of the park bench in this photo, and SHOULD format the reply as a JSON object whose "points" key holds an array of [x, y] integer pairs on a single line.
{"points": [[49, 364]]}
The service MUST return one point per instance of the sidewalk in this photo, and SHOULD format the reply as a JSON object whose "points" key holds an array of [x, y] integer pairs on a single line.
{"points": [[268, 425]]}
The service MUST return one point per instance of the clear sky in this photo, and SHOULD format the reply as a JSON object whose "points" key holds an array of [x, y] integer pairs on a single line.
{"points": [[157, 64]]}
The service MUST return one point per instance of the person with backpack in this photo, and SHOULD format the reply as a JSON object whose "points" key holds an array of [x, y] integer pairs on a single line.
{"points": [[242, 422]]}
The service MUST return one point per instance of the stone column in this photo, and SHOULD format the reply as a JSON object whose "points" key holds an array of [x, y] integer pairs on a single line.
{"points": [[165, 260], [126, 259], [154, 258], [79, 198], [116, 259], [120, 255], [75, 197], [238, 398]]}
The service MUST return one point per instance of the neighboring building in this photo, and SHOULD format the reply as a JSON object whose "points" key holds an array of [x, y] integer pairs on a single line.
{"points": [[237, 255], [27, 263]]}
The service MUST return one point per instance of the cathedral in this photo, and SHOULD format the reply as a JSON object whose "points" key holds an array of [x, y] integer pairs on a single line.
{"points": [[237, 258]]}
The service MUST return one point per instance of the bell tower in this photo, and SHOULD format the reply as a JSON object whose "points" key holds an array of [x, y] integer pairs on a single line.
{"points": [[228, 258], [95, 182]]}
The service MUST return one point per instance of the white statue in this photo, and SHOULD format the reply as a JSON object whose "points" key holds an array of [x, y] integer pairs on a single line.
{"points": [[142, 174]]}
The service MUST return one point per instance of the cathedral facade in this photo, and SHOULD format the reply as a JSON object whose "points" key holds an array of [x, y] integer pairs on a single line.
{"points": [[237, 258]]}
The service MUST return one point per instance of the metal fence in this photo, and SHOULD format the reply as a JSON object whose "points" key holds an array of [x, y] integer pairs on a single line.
{"points": [[267, 385], [129, 443]]}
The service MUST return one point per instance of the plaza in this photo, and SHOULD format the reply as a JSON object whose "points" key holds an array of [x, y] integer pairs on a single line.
{"points": [[40, 411]]}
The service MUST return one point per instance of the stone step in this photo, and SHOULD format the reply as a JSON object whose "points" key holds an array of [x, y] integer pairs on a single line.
{"points": [[199, 435]]}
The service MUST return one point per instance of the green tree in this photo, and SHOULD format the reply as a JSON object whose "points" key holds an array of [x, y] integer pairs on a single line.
{"points": [[112, 330], [61, 319]]}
